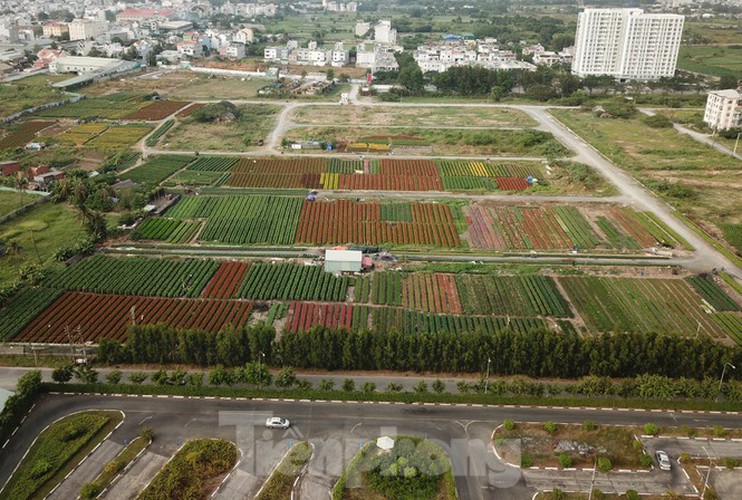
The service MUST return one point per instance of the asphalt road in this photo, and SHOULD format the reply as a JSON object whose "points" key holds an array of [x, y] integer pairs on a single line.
{"points": [[341, 428]]}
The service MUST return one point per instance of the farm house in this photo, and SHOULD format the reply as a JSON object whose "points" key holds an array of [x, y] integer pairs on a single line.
{"points": [[343, 260]]}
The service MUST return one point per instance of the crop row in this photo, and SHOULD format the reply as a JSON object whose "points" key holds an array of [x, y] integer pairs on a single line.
{"points": [[136, 276], [292, 282], [157, 169], [95, 317], [161, 130], [212, 164], [156, 111], [80, 134], [731, 323], [387, 319], [639, 305], [227, 280], [22, 134], [713, 294], [170, 230], [462, 168], [120, 136], [615, 236], [304, 316], [97, 107], [23, 308], [195, 178], [346, 221]]}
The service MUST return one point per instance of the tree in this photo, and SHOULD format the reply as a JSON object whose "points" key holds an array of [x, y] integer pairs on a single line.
{"points": [[62, 375], [727, 82], [330, 74], [113, 377], [411, 77], [138, 377], [151, 58], [438, 386], [286, 378]]}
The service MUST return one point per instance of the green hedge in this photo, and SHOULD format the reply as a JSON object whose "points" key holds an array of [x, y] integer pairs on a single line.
{"points": [[19, 403]]}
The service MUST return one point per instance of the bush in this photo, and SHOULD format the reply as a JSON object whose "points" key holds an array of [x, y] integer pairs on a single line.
{"points": [[657, 121], [349, 385], [689, 431], [651, 429], [598, 494], [326, 384], [369, 387], [526, 461], [86, 375], [731, 463], [62, 374], [508, 424], [557, 494], [550, 427], [604, 464], [685, 458], [438, 386], [645, 460], [303, 385], [393, 387], [39, 468], [421, 387], [286, 378], [565, 461], [223, 110], [719, 431], [89, 491], [632, 495], [147, 433], [138, 377], [196, 379], [113, 377]]}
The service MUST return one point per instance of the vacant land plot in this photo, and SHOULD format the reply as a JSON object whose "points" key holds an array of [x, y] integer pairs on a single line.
{"points": [[714, 60], [252, 126], [38, 233], [19, 135], [413, 116], [13, 200], [701, 182], [113, 106], [29, 92], [527, 142]]}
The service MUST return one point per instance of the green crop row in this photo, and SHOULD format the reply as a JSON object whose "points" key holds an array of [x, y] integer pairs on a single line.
{"points": [[292, 282]]}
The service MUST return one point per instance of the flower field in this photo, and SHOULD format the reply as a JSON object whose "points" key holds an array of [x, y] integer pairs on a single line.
{"points": [[240, 220], [277, 173], [406, 321], [641, 305], [304, 316], [120, 136], [80, 134], [136, 276], [111, 106], [158, 110], [292, 282], [169, 230], [156, 169], [346, 221], [226, 281], [23, 134], [212, 164], [107, 316], [23, 308]]}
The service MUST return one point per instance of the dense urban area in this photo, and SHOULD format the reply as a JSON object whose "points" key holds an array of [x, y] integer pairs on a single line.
{"points": [[371, 250]]}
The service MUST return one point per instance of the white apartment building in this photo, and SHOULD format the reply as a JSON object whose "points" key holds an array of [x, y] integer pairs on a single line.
{"points": [[85, 29], [627, 44], [384, 33], [190, 48], [376, 58], [440, 57], [311, 55], [233, 50], [362, 27], [723, 109], [243, 36]]}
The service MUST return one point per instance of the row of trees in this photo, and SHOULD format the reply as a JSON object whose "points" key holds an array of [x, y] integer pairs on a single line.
{"points": [[539, 353]]}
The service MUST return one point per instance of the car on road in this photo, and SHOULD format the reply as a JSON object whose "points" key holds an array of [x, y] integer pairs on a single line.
{"points": [[663, 460], [277, 423]]}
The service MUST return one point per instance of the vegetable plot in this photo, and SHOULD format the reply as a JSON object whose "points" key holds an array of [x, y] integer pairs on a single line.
{"points": [[169, 230], [304, 316], [292, 282], [98, 317], [23, 134], [227, 280]]}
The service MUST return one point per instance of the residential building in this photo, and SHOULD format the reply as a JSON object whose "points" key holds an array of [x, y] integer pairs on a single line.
{"points": [[244, 36], [485, 53], [384, 33], [55, 30], [85, 29], [140, 15], [44, 57], [723, 109], [83, 65], [375, 57], [362, 27], [233, 50], [627, 44], [190, 48]]}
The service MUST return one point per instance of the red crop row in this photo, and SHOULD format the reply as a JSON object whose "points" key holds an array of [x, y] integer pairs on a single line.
{"points": [[633, 227], [512, 183], [423, 168], [107, 316], [388, 182], [158, 110], [345, 221], [25, 133], [190, 109], [435, 293], [226, 281], [303, 316]]}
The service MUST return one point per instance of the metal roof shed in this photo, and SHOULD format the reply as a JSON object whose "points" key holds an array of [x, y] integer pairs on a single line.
{"points": [[343, 260]]}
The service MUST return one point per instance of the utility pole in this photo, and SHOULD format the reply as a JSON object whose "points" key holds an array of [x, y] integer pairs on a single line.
{"points": [[592, 480], [260, 369], [721, 380], [736, 143]]}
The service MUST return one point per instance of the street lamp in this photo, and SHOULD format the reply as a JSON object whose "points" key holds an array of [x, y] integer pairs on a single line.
{"points": [[260, 369], [723, 371], [487, 382]]}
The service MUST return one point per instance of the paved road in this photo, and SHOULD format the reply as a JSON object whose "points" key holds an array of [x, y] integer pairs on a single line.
{"points": [[342, 427], [140, 474], [87, 471], [706, 257]]}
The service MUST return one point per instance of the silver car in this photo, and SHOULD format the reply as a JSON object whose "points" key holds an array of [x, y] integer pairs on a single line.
{"points": [[663, 460], [277, 423]]}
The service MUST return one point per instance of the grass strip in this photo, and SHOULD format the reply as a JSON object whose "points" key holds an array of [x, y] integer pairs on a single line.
{"points": [[710, 240], [281, 482], [114, 468]]}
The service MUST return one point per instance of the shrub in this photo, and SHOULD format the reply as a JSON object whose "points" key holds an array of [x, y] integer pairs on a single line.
{"points": [[113, 377], [86, 375], [62, 374], [147, 433], [369, 387], [438, 386], [604, 464], [564, 461], [557, 494], [349, 385], [731, 463], [303, 385], [137, 377], [657, 121], [40, 467], [89, 491], [196, 379], [632, 495], [326, 384], [710, 495], [598, 494], [685, 458], [688, 431], [393, 387], [645, 460], [719, 431], [421, 387], [651, 429], [286, 378], [550, 427], [463, 387], [508, 424], [159, 377], [526, 461], [588, 425]]}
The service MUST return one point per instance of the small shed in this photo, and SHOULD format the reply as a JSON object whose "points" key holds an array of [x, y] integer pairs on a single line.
{"points": [[343, 261]]}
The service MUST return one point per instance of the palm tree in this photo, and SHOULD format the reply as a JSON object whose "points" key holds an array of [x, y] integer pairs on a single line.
{"points": [[21, 183]]}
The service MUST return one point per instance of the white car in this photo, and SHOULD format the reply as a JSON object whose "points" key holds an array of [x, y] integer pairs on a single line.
{"points": [[277, 423], [663, 460]]}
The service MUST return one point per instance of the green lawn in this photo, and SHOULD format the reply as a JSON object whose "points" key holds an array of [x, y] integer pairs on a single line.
{"points": [[714, 60], [13, 200], [28, 92], [700, 182], [49, 225]]}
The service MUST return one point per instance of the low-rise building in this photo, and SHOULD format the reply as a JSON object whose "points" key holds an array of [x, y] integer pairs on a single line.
{"points": [[244, 36], [343, 261], [55, 30], [85, 29], [723, 109], [190, 48], [233, 50], [9, 168], [45, 57]]}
